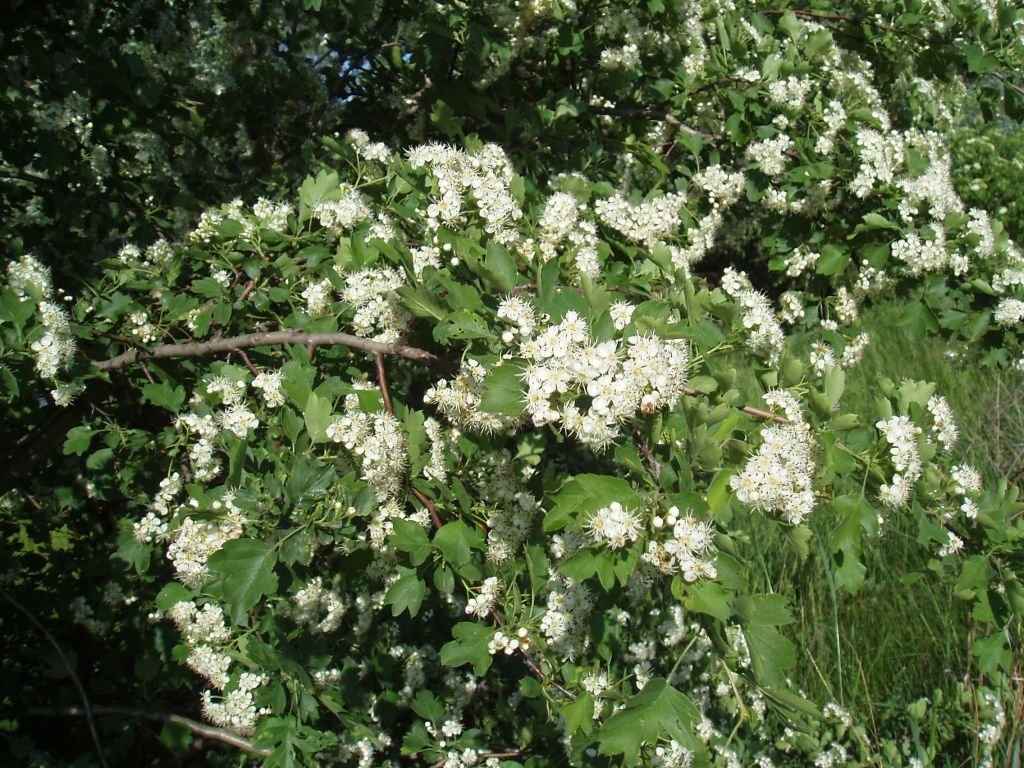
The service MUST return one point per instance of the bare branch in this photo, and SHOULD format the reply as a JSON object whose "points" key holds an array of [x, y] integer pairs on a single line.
{"points": [[249, 340], [200, 729], [85, 709]]}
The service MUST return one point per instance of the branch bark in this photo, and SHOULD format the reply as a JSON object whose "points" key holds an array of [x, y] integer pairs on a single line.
{"points": [[200, 729], [249, 340]]}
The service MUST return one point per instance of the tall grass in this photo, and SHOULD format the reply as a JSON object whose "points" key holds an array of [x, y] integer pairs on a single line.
{"points": [[903, 635]]}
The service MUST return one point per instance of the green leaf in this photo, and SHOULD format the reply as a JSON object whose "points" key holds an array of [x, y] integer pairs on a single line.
{"points": [[659, 710], [172, 594], [247, 567], [711, 598], [582, 495], [832, 260], [77, 441], [771, 654], [456, 540], [579, 715], [504, 390], [469, 647], [420, 303], [410, 537], [318, 415], [501, 267], [165, 396], [406, 594], [313, 190]]}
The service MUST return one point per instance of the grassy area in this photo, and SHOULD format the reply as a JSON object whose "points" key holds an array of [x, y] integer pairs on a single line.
{"points": [[903, 635]]}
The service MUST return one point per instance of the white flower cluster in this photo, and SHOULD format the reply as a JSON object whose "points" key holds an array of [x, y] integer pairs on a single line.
{"points": [[1009, 312], [459, 401], [483, 603], [649, 223], [835, 713], [614, 526], [511, 507], [318, 297], [943, 422], [835, 119], [920, 255], [237, 710], [702, 239], [779, 477], [800, 260], [83, 615], [854, 351], [269, 385], [721, 186], [790, 93], [509, 644], [372, 293], [563, 229], [440, 444], [266, 214], [966, 484], [153, 527], [195, 541], [366, 149], [980, 226], [141, 328], [770, 154], [619, 377], [625, 57], [671, 755], [757, 317], [881, 156], [317, 607], [690, 550], [28, 277], [205, 634], [55, 350], [340, 214], [566, 624], [791, 306], [951, 545], [377, 441], [901, 433], [482, 177]]}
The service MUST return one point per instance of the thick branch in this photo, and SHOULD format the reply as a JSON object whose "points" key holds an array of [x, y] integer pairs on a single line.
{"points": [[248, 340], [200, 729]]}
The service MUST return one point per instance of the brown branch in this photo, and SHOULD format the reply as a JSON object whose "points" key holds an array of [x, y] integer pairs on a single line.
{"points": [[200, 729], [85, 709], [642, 447], [249, 340], [382, 382], [537, 672], [248, 363], [760, 413]]}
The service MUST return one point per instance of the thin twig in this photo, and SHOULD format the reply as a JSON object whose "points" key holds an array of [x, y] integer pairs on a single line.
{"points": [[642, 447], [382, 381], [761, 414], [248, 363], [436, 518], [86, 710], [249, 340], [200, 729]]}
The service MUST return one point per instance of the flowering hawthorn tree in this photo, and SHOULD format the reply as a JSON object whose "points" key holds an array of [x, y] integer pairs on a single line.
{"points": [[443, 460]]}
